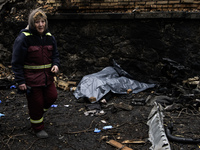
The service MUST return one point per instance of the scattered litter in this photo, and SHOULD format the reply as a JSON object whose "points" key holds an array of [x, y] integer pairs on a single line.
{"points": [[100, 113], [54, 105], [91, 112], [133, 142], [107, 127], [96, 130], [94, 112], [66, 105], [1, 115], [118, 145], [72, 89], [65, 85], [0, 101], [12, 87], [103, 101], [103, 121], [192, 81]]}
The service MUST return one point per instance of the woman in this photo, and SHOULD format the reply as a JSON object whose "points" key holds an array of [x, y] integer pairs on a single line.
{"points": [[35, 60]]}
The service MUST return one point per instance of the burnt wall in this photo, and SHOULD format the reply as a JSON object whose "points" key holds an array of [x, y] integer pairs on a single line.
{"points": [[137, 45]]}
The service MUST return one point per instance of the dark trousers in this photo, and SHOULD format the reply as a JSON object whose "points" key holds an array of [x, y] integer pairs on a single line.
{"points": [[40, 98]]}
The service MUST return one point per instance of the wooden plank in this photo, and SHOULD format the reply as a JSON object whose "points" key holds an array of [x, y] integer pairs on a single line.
{"points": [[118, 145], [133, 142]]}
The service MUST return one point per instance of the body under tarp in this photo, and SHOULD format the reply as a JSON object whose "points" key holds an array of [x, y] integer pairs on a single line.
{"points": [[107, 80]]}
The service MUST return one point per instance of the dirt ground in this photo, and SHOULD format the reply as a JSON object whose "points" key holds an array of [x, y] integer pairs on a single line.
{"points": [[70, 129]]}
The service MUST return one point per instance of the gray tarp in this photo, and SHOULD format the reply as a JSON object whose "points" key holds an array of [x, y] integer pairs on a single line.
{"points": [[99, 84]]}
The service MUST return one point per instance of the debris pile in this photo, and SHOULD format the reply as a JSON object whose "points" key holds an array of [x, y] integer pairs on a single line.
{"points": [[116, 120], [6, 73]]}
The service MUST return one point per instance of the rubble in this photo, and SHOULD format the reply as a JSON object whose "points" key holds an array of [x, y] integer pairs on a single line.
{"points": [[118, 145], [121, 121], [65, 85], [6, 73]]}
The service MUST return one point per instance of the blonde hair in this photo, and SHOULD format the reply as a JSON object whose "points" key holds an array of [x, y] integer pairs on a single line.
{"points": [[35, 15]]}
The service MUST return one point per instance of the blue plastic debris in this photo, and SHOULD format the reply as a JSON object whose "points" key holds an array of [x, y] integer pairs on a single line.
{"points": [[54, 105], [12, 87], [1, 115], [96, 130], [107, 127], [0, 101]]}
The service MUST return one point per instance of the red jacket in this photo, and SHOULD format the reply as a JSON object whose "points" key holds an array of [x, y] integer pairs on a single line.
{"points": [[32, 59]]}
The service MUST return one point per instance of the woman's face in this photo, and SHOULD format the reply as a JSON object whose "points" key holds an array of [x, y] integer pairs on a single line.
{"points": [[40, 25]]}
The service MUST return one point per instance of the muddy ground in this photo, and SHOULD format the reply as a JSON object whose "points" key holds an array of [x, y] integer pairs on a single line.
{"points": [[70, 129]]}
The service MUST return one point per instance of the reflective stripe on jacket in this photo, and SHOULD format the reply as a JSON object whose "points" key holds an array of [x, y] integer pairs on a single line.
{"points": [[37, 67], [38, 60]]}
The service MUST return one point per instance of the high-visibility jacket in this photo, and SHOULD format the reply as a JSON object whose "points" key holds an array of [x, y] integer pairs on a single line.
{"points": [[32, 58]]}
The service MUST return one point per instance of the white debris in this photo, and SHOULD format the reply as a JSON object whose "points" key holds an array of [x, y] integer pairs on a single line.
{"points": [[157, 134]]}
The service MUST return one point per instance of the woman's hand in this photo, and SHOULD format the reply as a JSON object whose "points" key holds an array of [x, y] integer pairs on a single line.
{"points": [[55, 69], [22, 87]]}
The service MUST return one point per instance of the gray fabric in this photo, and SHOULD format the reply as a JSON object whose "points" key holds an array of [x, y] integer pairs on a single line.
{"points": [[99, 84], [157, 134]]}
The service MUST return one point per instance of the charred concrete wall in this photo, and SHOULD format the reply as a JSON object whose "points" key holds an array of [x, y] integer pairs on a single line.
{"points": [[137, 45]]}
